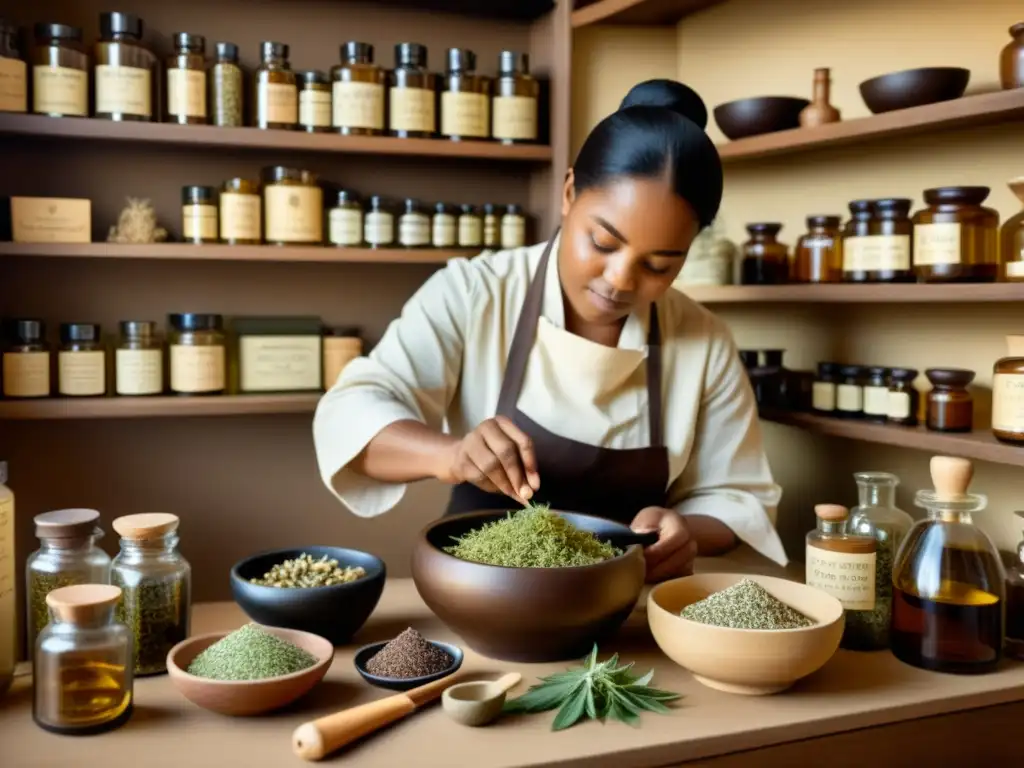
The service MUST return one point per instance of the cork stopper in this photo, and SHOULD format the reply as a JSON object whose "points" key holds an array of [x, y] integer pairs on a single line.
{"points": [[833, 513], [83, 603], [951, 476], [147, 526], [1015, 346], [66, 524]]}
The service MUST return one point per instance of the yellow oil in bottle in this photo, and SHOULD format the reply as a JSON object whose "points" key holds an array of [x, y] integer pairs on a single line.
{"points": [[87, 694]]}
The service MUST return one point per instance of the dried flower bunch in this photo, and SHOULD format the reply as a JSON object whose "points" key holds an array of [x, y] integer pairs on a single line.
{"points": [[137, 225]]}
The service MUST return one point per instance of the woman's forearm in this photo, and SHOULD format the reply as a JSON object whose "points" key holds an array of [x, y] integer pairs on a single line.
{"points": [[404, 452], [713, 537]]}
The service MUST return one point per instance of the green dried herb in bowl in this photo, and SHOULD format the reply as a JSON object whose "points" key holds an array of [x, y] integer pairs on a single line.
{"points": [[745, 605], [250, 653]]}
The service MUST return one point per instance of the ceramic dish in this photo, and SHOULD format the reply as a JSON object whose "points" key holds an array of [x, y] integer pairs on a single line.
{"points": [[914, 88], [743, 118], [367, 652]]}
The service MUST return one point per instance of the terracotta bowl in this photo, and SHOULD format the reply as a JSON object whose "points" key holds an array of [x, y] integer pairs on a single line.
{"points": [[914, 88], [762, 114], [336, 612], [248, 697], [745, 661], [526, 614]]}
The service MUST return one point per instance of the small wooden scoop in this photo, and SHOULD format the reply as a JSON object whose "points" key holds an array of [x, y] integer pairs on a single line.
{"points": [[318, 738]]}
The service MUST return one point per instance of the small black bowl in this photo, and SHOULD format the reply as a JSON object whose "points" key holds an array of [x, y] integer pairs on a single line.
{"points": [[367, 652], [336, 612], [755, 116]]}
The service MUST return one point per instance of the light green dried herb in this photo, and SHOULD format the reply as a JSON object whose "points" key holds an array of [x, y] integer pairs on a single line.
{"points": [[250, 653], [534, 537], [306, 571], [745, 605]]}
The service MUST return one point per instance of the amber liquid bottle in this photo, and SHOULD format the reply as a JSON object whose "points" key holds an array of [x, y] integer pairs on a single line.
{"points": [[1015, 603], [126, 83], [1011, 245], [765, 259]]}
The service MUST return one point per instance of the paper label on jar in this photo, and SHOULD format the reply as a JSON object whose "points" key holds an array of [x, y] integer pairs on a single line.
{"points": [[199, 222], [13, 85], [875, 253], [339, 352], [412, 109], [345, 226], [279, 363], [823, 396], [26, 374], [379, 228], [195, 370], [277, 103], [60, 91], [186, 92], [239, 216], [898, 406], [414, 229], [513, 231], [1008, 402], [123, 90], [358, 105], [464, 114], [515, 118], [876, 401], [139, 371], [82, 374], [315, 108], [294, 214], [492, 231], [937, 244], [849, 398], [1016, 268], [848, 577], [471, 231], [444, 232]]}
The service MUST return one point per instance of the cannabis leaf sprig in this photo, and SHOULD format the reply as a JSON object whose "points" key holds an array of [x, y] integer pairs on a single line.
{"points": [[599, 690]]}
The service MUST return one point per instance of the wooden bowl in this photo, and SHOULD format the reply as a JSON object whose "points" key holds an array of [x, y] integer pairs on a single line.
{"points": [[247, 697], [367, 652], [761, 114], [746, 661], [914, 88], [525, 614]]}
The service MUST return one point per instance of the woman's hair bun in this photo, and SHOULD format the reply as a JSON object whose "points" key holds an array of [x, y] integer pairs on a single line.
{"points": [[670, 95]]}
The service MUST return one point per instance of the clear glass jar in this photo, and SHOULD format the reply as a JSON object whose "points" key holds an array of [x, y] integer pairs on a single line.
{"points": [[358, 92], [81, 361], [199, 215], [956, 239], [471, 227], [186, 80], [950, 404], [444, 231], [227, 86], [277, 95], [514, 105], [414, 225], [1015, 602], [823, 393], [513, 227], [8, 577], [156, 588], [882, 254], [850, 392], [492, 226], [345, 219], [60, 72], [241, 212], [904, 399], [293, 206], [67, 555], [818, 257], [465, 98], [765, 260], [1008, 393], [876, 394], [379, 223], [197, 353], [26, 359], [126, 70], [13, 77], [1011, 235], [139, 360], [314, 101], [82, 673], [413, 92]]}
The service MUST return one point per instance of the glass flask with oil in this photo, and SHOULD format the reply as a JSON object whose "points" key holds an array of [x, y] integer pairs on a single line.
{"points": [[948, 581], [1015, 603]]}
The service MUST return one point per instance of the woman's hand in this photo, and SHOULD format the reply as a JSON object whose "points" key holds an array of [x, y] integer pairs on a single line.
{"points": [[673, 553], [497, 456]]}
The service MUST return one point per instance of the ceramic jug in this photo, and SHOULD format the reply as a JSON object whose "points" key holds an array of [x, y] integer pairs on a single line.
{"points": [[820, 111]]}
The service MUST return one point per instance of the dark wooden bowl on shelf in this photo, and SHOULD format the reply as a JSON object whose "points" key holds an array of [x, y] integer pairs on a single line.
{"points": [[914, 88], [743, 118]]}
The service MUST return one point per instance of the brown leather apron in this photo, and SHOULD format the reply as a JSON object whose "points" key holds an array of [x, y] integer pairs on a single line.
{"points": [[575, 477]]}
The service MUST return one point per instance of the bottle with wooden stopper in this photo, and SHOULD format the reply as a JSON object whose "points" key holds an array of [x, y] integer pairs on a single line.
{"points": [[949, 585], [1008, 393], [820, 111]]}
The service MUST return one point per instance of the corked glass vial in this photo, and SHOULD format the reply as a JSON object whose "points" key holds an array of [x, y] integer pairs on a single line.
{"points": [[126, 70], [1008, 393], [904, 399], [876, 394], [465, 98], [81, 361], [850, 392], [60, 72], [227, 87], [379, 223], [241, 212], [950, 404], [513, 227], [414, 225], [341, 346], [138, 360], [471, 227], [26, 360], [444, 229], [314, 101], [197, 354], [492, 226], [13, 75], [345, 219], [956, 238], [412, 110], [186, 80], [277, 94], [199, 215], [514, 105], [293, 206], [357, 92]]}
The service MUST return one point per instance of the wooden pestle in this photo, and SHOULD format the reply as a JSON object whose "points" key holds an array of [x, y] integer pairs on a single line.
{"points": [[950, 476], [318, 738]]}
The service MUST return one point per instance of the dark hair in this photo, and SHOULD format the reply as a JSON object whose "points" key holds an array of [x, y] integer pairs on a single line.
{"points": [[657, 131]]}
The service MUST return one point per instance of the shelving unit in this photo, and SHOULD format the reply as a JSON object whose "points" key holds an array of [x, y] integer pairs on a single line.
{"points": [[637, 12], [155, 407], [841, 293]]}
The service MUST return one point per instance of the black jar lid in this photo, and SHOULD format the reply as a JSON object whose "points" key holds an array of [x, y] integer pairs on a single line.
{"points": [[877, 371], [195, 321], [764, 228], [489, 209], [345, 196], [412, 205], [197, 194], [380, 203], [115, 22], [961, 195], [271, 50], [79, 332], [57, 31], [949, 377], [410, 55], [357, 52], [227, 51], [897, 207], [138, 329], [513, 209], [822, 220], [468, 209], [851, 371], [274, 174], [903, 374], [860, 209], [26, 331], [828, 369], [513, 63], [347, 331], [186, 41], [748, 357], [445, 208], [461, 60], [313, 77]]}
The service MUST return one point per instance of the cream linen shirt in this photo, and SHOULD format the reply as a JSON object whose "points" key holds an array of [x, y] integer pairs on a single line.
{"points": [[442, 362]]}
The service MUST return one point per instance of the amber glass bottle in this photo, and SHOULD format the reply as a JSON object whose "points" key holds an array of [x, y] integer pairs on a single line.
{"points": [[765, 259], [60, 72], [956, 239], [358, 92], [1014, 602], [465, 98], [186, 80], [882, 254], [950, 404], [277, 93], [413, 112], [1011, 246], [514, 105], [1008, 393], [819, 253], [127, 85], [904, 399]]}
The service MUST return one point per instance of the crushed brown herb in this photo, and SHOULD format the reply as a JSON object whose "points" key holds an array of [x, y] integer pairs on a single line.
{"points": [[409, 655]]}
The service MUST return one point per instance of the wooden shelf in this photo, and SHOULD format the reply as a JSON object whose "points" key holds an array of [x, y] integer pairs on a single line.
{"points": [[980, 444], [155, 407], [270, 253], [255, 139], [638, 12], [849, 293], [969, 111]]}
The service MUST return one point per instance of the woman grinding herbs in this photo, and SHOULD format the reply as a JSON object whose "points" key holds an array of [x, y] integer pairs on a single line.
{"points": [[568, 372]]}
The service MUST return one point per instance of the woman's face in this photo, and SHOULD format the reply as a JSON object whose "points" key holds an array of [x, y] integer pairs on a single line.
{"points": [[622, 246]]}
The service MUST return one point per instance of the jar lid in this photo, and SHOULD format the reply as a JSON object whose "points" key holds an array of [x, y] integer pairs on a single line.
{"points": [[226, 51], [138, 328], [57, 31], [195, 321], [82, 603], [410, 55], [764, 228], [860, 208], [115, 22], [241, 185], [79, 332], [355, 51], [27, 331], [274, 174], [350, 331], [186, 41], [851, 370], [343, 196], [380, 203], [965, 195], [514, 210], [949, 377], [834, 513], [877, 370], [312, 77], [827, 369], [513, 63], [461, 60], [749, 357], [468, 209], [1015, 346], [413, 205], [448, 208], [192, 194], [899, 206], [903, 374], [489, 209], [271, 50], [145, 526], [66, 523], [822, 220]]}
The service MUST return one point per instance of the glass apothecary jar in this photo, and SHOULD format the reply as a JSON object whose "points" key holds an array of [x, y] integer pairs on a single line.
{"points": [[956, 238], [876, 394], [156, 587], [67, 555], [858, 226], [13, 78], [139, 360], [904, 399], [1015, 602], [227, 87], [1011, 246], [186, 80], [197, 354], [314, 101], [444, 231], [412, 96], [513, 227], [818, 257], [882, 254], [1008, 393], [850, 392], [414, 225], [199, 215], [514, 104], [345, 219], [765, 259], [471, 227], [950, 404], [277, 93], [465, 98], [241, 212], [357, 96], [60, 72], [949, 587], [823, 392], [126, 70], [81, 361], [26, 359], [492, 226], [379, 222], [293, 205]]}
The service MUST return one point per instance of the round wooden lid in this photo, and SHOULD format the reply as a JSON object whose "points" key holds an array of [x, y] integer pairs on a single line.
{"points": [[66, 523], [834, 513], [149, 525], [82, 602]]}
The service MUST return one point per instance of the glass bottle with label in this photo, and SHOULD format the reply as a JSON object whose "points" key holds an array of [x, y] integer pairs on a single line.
{"points": [[765, 260], [1014, 601], [854, 232], [949, 585], [358, 92], [227, 86], [492, 226], [345, 219], [379, 223], [277, 94], [198, 359], [13, 75], [883, 254], [843, 566], [60, 72], [293, 206], [514, 105], [414, 225], [850, 392], [139, 360], [81, 361], [198, 215], [471, 227], [1008, 393], [314, 101], [465, 98], [819, 253], [26, 360], [1011, 246], [956, 239], [904, 399], [8, 599], [341, 346], [413, 92], [876, 394], [823, 392], [444, 231], [186, 80], [241, 212], [950, 404], [513, 227], [126, 83]]}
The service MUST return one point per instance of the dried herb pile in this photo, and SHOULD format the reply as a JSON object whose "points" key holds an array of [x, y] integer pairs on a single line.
{"points": [[39, 585], [745, 605], [307, 571], [534, 537], [409, 655], [156, 610], [250, 653]]}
